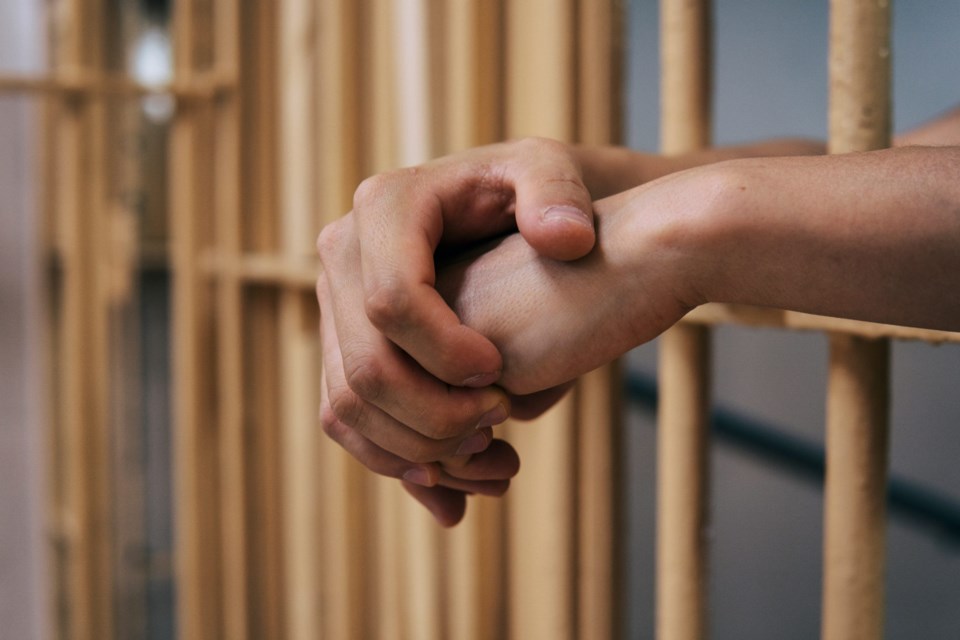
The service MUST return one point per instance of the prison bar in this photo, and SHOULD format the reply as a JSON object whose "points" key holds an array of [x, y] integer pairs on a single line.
{"points": [[471, 112], [235, 481], [205, 86], [243, 283], [540, 50], [79, 206], [343, 579], [299, 376], [859, 376], [684, 369]]}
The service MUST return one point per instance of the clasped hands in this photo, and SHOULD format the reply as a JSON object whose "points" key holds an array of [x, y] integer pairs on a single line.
{"points": [[440, 321]]}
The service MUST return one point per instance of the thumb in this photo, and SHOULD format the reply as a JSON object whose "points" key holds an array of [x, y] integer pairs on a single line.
{"points": [[554, 211]]}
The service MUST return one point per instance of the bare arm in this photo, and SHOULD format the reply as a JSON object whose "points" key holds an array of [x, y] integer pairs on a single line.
{"points": [[873, 236]]}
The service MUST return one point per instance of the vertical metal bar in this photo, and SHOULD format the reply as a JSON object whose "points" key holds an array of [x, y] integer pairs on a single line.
{"points": [[261, 330], [473, 105], [858, 386], [682, 467], [83, 326], [541, 529], [381, 155], [682, 457], [234, 480], [344, 513], [599, 119], [195, 446], [417, 132], [297, 58]]}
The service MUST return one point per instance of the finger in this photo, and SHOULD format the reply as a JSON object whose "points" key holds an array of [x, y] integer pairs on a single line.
{"points": [[491, 488], [376, 425], [370, 455], [500, 461], [554, 210], [400, 223], [376, 371], [446, 505]]}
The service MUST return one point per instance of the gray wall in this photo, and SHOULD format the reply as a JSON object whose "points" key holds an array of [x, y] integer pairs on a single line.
{"points": [[766, 525], [22, 543]]}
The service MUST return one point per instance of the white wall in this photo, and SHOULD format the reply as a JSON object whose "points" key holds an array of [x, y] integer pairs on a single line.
{"points": [[23, 611], [766, 529]]}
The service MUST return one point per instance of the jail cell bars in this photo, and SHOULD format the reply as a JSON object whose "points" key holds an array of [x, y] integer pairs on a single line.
{"points": [[281, 533], [281, 109], [858, 386]]}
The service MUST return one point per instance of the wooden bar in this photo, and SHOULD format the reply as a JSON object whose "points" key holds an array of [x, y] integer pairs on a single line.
{"points": [[234, 475], [262, 232], [197, 551], [473, 96], [263, 405], [682, 483], [474, 75], [855, 496], [541, 521], [685, 84], [859, 379], [298, 340], [345, 581], [83, 331], [599, 120], [417, 128], [713, 314], [381, 154], [684, 370], [599, 552], [106, 86]]}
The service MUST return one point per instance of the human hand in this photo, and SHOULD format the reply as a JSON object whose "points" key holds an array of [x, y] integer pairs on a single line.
{"points": [[553, 321], [392, 346]]}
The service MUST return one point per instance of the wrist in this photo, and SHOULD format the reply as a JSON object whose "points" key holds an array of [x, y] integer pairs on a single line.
{"points": [[657, 243], [724, 254]]}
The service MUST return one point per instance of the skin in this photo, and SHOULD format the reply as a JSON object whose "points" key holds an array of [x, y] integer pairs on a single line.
{"points": [[747, 231], [407, 384]]}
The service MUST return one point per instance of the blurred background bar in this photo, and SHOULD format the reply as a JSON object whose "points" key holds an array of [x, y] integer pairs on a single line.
{"points": [[165, 167]]}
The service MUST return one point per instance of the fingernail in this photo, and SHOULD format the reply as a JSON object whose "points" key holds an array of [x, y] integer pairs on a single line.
{"points": [[481, 379], [474, 444], [418, 476], [571, 214], [495, 416]]}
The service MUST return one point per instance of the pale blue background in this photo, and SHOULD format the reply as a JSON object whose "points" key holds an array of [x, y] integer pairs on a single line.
{"points": [[766, 532]]}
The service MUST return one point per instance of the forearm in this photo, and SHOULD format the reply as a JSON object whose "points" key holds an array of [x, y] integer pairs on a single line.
{"points": [[608, 170], [873, 236]]}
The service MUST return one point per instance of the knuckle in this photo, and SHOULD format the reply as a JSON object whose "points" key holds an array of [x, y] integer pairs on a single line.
{"points": [[345, 406], [538, 145], [364, 377], [371, 189], [330, 424], [382, 185], [387, 304], [331, 237]]}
